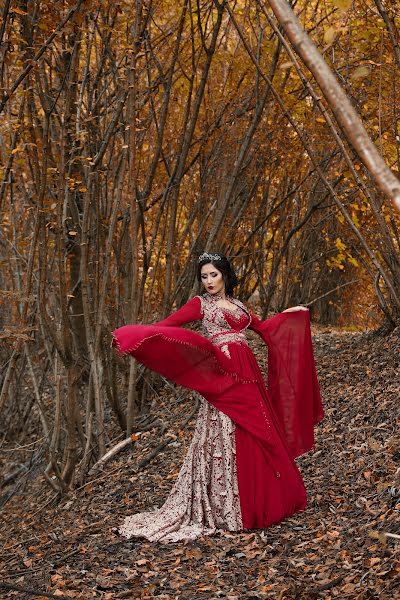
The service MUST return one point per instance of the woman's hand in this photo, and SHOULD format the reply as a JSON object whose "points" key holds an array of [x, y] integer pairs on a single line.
{"points": [[294, 308]]}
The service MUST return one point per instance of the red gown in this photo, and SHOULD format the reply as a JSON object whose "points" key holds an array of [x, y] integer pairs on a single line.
{"points": [[268, 428]]}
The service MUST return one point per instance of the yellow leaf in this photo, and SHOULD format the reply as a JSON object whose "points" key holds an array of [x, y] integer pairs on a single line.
{"points": [[330, 35], [339, 244], [353, 261], [343, 4], [360, 72]]}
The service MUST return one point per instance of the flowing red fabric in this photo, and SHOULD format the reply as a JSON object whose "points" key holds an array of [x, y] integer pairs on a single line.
{"points": [[272, 426], [292, 378]]}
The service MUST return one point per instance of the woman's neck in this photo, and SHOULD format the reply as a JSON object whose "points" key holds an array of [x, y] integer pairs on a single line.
{"points": [[219, 295]]}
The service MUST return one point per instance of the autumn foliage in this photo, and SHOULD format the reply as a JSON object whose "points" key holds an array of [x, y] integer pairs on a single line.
{"points": [[137, 134]]}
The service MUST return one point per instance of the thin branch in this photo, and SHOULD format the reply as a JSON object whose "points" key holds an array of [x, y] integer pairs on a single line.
{"points": [[38, 55], [338, 287]]}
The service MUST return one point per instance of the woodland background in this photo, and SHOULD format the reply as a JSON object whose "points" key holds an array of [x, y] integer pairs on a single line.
{"points": [[134, 135], [137, 134]]}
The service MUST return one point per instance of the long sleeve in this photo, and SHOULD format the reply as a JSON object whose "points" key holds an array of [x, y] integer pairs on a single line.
{"points": [[128, 337], [189, 312], [292, 377], [181, 355]]}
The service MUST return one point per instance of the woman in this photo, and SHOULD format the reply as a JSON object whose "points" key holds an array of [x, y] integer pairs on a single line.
{"points": [[239, 472]]}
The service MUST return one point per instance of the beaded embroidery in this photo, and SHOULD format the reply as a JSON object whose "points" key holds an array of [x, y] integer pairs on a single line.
{"points": [[215, 325], [205, 496], [228, 337]]}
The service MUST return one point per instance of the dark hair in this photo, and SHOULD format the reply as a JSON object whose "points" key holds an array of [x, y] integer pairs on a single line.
{"points": [[224, 266]]}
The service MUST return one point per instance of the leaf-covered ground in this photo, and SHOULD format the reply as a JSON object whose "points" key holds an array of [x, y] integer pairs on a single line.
{"points": [[344, 545]]}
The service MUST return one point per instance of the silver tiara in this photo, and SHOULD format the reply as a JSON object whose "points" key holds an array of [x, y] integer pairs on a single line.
{"points": [[206, 256]]}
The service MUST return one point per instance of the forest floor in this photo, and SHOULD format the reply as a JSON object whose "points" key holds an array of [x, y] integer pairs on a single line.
{"points": [[346, 544]]}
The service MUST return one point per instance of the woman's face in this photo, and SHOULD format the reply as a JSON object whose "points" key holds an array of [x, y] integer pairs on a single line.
{"points": [[212, 279]]}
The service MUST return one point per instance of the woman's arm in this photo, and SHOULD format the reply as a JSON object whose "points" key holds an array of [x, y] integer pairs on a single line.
{"points": [[129, 338], [191, 311], [256, 323], [294, 308]]}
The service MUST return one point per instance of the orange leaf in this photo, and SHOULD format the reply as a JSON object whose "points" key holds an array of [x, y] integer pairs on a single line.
{"points": [[18, 11]]}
